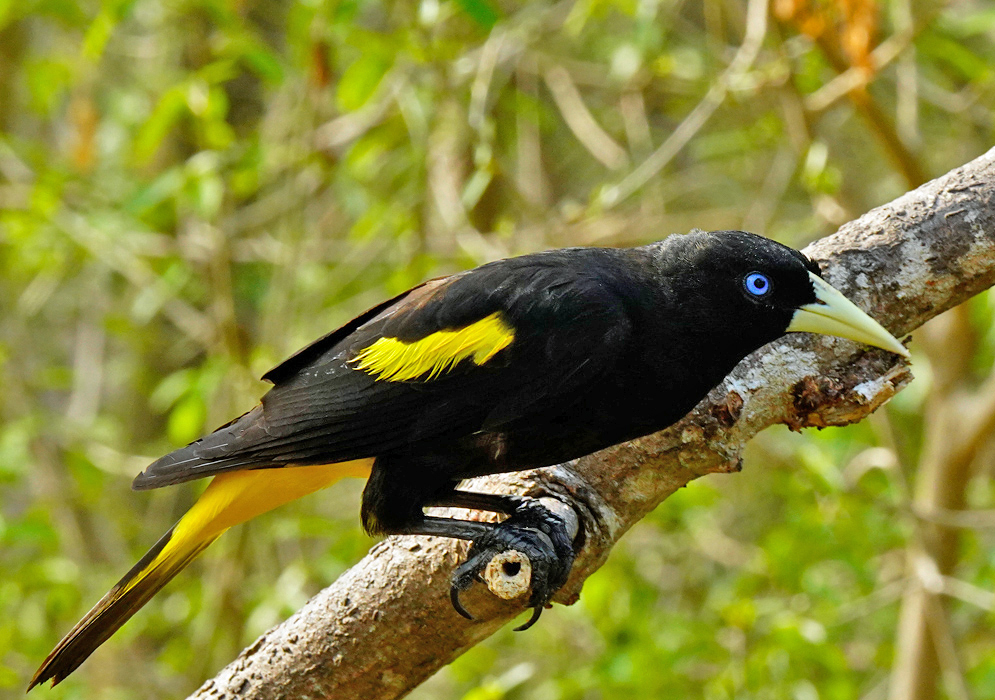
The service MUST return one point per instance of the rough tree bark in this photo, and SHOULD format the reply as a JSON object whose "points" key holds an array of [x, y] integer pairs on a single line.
{"points": [[386, 624]]}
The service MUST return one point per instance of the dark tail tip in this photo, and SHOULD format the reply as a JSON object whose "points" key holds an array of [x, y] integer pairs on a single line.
{"points": [[53, 670], [110, 612], [71, 652]]}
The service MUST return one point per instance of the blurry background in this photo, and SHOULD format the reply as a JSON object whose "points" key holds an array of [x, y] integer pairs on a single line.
{"points": [[190, 190]]}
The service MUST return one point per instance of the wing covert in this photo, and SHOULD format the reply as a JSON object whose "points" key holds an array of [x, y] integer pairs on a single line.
{"points": [[394, 360]]}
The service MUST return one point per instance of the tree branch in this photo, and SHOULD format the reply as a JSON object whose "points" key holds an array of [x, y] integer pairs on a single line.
{"points": [[386, 624]]}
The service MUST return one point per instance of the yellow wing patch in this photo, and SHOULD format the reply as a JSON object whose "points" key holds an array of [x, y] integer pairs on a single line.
{"points": [[394, 360]]}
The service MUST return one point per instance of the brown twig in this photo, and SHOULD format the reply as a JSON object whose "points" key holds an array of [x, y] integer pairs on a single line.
{"points": [[742, 61], [580, 120], [865, 104]]}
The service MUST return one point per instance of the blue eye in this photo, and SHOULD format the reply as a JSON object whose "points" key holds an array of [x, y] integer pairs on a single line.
{"points": [[757, 284]]}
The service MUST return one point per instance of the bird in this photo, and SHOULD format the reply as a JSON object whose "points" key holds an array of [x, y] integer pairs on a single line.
{"points": [[517, 364]]}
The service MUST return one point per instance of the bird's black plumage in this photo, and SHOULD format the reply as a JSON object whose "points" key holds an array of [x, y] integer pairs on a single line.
{"points": [[519, 363], [608, 344]]}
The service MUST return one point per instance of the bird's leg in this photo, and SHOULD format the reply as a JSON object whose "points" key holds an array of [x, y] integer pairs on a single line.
{"points": [[531, 529], [393, 503], [506, 504]]}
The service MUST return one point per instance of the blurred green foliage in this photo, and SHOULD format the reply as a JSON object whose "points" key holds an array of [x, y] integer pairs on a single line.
{"points": [[192, 189]]}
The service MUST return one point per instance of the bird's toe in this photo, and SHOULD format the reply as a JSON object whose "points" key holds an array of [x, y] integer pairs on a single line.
{"points": [[533, 531]]}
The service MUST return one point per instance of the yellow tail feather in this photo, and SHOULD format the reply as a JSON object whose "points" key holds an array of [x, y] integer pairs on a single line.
{"points": [[229, 499]]}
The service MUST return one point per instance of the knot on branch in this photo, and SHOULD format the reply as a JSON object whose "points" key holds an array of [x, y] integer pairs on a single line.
{"points": [[846, 396], [727, 410], [701, 435]]}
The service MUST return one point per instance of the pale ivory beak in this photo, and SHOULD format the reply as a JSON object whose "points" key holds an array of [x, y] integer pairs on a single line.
{"points": [[834, 314]]}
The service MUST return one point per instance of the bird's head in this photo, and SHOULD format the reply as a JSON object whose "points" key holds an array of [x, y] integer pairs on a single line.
{"points": [[761, 289]]}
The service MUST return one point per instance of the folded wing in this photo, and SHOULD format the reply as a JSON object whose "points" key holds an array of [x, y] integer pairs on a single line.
{"points": [[476, 351]]}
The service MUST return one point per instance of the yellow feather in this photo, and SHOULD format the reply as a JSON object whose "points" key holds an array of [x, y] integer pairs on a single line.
{"points": [[229, 499], [394, 360], [235, 497]]}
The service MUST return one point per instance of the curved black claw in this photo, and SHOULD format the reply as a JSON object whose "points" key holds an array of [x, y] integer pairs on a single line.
{"points": [[457, 604], [536, 612], [535, 532]]}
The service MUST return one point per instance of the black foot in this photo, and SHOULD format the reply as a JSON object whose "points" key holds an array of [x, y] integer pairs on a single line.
{"points": [[535, 532]]}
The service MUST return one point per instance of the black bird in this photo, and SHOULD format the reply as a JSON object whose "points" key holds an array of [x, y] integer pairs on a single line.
{"points": [[516, 364]]}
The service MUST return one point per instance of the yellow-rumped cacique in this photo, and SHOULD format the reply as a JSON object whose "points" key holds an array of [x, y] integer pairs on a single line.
{"points": [[519, 363]]}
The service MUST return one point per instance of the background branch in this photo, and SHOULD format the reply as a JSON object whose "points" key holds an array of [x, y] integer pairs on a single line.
{"points": [[386, 624]]}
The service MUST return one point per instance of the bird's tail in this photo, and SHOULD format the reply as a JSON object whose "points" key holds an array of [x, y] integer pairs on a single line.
{"points": [[229, 499]]}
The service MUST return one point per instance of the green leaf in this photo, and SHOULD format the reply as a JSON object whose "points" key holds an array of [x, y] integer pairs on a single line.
{"points": [[186, 420], [5, 13], [360, 81], [480, 11], [170, 108], [944, 49], [47, 81], [97, 35], [265, 64]]}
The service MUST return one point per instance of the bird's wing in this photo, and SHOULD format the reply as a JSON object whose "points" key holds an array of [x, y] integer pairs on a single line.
{"points": [[454, 356]]}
